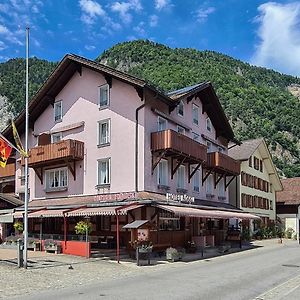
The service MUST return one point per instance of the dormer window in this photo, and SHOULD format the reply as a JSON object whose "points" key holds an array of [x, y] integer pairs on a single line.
{"points": [[208, 124], [58, 111], [180, 109], [195, 114], [104, 95]]}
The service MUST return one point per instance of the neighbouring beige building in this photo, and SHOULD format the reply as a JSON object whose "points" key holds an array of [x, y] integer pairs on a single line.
{"points": [[255, 189]]}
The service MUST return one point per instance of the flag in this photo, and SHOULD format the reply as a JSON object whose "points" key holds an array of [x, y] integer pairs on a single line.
{"points": [[18, 140], [5, 150]]}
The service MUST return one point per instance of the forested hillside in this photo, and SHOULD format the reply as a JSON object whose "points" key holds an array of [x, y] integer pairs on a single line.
{"points": [[256, 100]]}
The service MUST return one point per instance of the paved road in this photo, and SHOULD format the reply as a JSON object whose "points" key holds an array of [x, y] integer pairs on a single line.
{"points": [[271, 272]]}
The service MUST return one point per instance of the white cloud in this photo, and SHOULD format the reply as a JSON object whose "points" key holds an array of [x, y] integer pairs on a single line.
{"points": [[124, 8], [89, 47], [4, 30], [91, 10], [279, 33], [153, 20], [140, 30], [203, 13], [2, 46], [9, 36], [162, 4]]}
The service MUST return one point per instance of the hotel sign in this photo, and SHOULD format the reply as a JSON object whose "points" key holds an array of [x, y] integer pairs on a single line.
{"points": [[114, 197], [180, 198]]}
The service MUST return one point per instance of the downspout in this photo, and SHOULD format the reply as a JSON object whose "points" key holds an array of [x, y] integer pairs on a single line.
{"points": [[137, 142]]}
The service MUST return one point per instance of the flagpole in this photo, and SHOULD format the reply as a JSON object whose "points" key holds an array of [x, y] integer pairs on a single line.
{"points": [[26, 158]]}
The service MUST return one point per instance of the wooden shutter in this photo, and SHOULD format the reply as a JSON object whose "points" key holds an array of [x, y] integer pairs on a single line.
{"points": [[44, 139]]}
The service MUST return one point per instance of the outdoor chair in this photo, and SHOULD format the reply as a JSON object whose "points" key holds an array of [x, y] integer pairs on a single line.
{"points": [[103, 242]]}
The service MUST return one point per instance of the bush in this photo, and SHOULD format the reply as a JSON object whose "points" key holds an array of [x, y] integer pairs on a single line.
{"points": [[246, 234], [18, 226], [82, 227]]}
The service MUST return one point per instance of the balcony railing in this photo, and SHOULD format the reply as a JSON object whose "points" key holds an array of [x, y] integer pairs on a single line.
{"points": [[223, 163], [8, 171], [178, 144], [65, 150]]}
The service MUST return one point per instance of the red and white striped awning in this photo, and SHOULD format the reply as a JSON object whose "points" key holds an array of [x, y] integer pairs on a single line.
{"points": [[203, 213], [47, 213], [101, 211]]}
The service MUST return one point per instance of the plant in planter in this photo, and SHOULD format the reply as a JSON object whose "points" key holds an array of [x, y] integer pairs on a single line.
{"points": [[190, 247], [51, 245], [18, 226], [173, 254], [83, 227], [289, 233]]}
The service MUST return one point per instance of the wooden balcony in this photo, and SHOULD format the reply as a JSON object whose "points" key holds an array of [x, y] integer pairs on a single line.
{"points": [[8, 171], [223, 163], [63, 151], [175, 144]]}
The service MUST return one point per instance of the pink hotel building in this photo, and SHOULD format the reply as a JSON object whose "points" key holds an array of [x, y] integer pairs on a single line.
{"points": [[107, 145]]}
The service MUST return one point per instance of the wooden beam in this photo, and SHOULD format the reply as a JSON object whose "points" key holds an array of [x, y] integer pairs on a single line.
{"points": [[206, 175], [227, 184], [140, 92], [218, 180], [79, 69], [39, 173], [194, 171], [179, 162], [72, 168], [189, 98], [108, 80], [156, 160]]}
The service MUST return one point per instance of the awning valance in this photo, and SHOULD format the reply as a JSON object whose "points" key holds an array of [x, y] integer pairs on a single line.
{"points": [[202, 213], [47, 213], [102, 211]]}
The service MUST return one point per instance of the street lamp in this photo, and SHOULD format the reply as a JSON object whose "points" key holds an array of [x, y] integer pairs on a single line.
{"points": [[87, 219]]}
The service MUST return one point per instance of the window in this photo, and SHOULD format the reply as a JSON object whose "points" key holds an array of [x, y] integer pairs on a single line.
{"points": [[271, 204], [167, 221], [103, 132], [181, 177], [250, 161], [104, 95], [195, 111], [56, 137], [209, 185], [104, 171], [196, 181], [161, 124], [221, 188], [180, 109], [220, 149], [58, 111], [209, 146], [208, 124], [196, 137], [180, 129], [162, 174], [261, 166], [56, 179]]}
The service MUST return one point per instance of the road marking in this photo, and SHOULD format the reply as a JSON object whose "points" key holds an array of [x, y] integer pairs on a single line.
{"points": [[279, 291]]}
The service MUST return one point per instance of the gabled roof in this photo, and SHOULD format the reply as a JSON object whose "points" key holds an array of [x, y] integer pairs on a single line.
{"points": [[247, 148], [62, 74], [211, 105], [73, 63], [11, 199], [290, 195]]}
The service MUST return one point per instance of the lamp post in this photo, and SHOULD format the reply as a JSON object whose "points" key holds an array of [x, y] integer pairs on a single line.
{"points": [[41, 228], [87, 219]]}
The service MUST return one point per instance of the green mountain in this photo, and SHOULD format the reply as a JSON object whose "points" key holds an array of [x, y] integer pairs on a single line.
{"points": [[257, 101]]}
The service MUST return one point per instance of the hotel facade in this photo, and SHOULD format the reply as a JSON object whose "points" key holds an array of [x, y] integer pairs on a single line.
{"points": [[108, 146]]}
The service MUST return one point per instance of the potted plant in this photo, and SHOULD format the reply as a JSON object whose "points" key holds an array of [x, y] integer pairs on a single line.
{"points": [[173, 254], [83, 227], [18, 226], [191, 247], [145, 247], [51, 245]]}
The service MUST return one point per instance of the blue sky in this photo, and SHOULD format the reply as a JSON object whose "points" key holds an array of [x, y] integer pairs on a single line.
{"points": [[260, 32]]}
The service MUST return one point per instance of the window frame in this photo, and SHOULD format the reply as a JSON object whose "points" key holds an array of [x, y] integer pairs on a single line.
{"points": [[197, 181], [181, 103], [60, 187], [180, 129], [108, 160], [165, 120], [100, 87], [181, 167], [208, 124], [197, 107], [99, 123], [161, 163], [61, 111], [56, 134]]}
